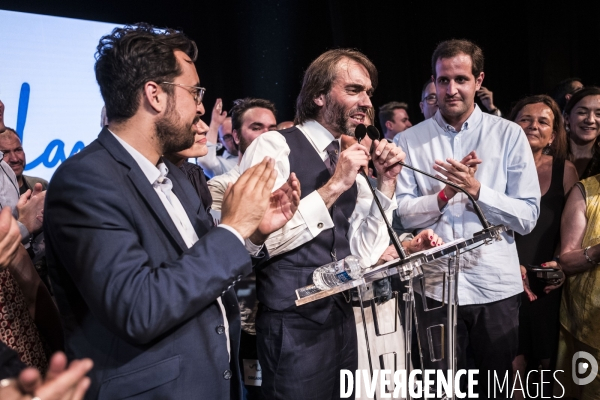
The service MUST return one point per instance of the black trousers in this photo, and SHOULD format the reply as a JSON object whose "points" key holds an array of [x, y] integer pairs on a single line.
{"points": [[301, 359], [487, 337]]}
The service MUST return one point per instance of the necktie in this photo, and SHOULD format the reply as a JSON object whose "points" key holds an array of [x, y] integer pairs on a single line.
{"points": [[164, 183], [333, 150]]}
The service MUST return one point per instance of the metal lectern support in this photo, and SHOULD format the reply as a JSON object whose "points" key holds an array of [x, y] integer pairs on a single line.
{"points": [[452, 276], [360, 289]]}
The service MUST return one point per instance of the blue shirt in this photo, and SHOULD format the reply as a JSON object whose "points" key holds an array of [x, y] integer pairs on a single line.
{"points": [[509, 195]]}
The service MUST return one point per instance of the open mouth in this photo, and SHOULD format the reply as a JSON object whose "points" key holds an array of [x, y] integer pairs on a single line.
{"points": [[358, 118]]}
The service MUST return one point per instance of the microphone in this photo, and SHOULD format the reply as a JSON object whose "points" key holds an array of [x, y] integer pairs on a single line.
{"points": [[372, 131], [360, 132]]}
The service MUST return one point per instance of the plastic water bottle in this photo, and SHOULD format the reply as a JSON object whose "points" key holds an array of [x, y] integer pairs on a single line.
{"points": [[338, 272]]}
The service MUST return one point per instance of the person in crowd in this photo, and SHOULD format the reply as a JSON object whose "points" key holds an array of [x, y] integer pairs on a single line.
{"points": [[334, 99], [564, 90], [486, 97], [31, 324], [541, 120], [580, 304], [428, 103], [250, 118], [214, 163], [497, 168], [14, 155], [143, 281], [387, 315], [193, 172], [58, 383], [393, 117], [582, 119], [27, 208]]}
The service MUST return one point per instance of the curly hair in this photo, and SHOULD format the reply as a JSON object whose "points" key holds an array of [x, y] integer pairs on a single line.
{"points": [[129, 57]]}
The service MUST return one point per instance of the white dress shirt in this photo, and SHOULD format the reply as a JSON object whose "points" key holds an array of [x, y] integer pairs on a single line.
{"points": [[509, 195], [214, 165], [367, 234]]}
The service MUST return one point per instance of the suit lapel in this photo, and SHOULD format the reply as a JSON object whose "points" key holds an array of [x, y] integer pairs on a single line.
{"points": [[144, 188]]}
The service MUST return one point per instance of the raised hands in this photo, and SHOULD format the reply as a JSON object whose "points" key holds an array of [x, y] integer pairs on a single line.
{"points": [[218, 115], [246, 201], [282, 205], [31, 208], [350, 162], [462, 173], [386, 156], [61, 382]]}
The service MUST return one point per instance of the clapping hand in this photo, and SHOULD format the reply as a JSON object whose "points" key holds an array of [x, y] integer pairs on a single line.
{"points": [[461, 173], [283, 204], [60, 383]]}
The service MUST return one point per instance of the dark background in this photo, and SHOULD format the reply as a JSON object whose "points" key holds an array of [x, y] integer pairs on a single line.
{"points": [[261, 48]]}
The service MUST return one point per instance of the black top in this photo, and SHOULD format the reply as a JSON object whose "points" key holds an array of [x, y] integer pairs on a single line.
{"points": [[195, 175], [538, 246], [593, 167], [10, 365]]}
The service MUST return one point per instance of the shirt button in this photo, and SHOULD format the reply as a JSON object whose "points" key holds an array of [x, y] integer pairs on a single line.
{"points": [[239, 278], [220, 329], [320, 225], [227, 374]]}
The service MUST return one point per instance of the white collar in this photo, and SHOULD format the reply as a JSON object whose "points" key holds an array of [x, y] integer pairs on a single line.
{"points": [[317, 134], [150, 170]]}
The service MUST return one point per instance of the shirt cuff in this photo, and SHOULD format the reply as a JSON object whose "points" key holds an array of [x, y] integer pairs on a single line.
{"points": [[232, 230], [485, 194], [406, 237], [252, 248], [315, 213]]}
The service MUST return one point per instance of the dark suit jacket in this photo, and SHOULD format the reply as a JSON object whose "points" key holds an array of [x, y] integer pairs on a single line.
{"points": [[133, 297]]}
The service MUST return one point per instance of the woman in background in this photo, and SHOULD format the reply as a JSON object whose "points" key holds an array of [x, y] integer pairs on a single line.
{"points": [[540, 118], [582, 119], [579, 258]]}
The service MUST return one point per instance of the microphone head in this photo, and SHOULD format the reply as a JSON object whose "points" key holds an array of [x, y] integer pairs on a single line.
{"points": [[360, 132], [373, 132]]}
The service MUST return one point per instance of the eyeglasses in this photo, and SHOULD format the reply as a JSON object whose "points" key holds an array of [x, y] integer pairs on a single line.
{"points": [[198, 92], [431, 99]]}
